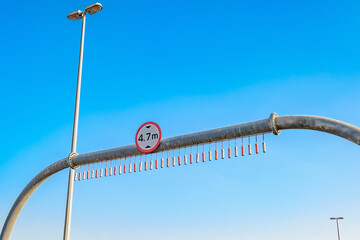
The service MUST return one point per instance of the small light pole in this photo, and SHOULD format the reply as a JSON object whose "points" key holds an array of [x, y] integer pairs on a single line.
{"points": [[91, 9], [337, 224]]}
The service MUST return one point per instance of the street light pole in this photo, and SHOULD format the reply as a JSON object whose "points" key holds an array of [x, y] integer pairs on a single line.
{"points": [[74, 136], [337, 224], [91, 9]]}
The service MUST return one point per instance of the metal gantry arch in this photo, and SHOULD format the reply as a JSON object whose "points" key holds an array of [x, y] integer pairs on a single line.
{"points": [[272, 124]]}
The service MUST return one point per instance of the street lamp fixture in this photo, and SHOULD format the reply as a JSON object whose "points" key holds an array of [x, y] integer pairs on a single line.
{"points": [[91, 9], [75, 15]]}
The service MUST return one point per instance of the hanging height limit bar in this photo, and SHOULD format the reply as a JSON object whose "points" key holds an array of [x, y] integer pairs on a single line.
{"points": [[208, 136]]}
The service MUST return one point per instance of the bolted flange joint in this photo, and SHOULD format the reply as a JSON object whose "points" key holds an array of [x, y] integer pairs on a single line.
{"points": [[70, 162], [272, 123]]}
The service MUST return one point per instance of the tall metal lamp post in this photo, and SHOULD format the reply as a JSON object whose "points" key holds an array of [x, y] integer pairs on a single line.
{"points": [[337, 224], [91, 9]]}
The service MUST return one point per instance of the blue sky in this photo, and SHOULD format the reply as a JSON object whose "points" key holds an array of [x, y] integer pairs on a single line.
{"points": [[189, 66]]}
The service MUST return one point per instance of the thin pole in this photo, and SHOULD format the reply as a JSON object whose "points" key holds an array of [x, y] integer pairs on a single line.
{"points": [[74, 137], [338, 231]]}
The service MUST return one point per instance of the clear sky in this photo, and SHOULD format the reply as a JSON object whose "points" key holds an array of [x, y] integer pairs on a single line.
{"points": [[189, 66]]}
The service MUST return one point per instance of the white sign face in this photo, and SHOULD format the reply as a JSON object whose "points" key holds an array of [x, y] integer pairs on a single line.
{"points": [[148, 137]]}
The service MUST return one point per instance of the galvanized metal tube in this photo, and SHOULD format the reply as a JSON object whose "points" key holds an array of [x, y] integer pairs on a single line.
{"points": [[322, 124], [27, 192]]}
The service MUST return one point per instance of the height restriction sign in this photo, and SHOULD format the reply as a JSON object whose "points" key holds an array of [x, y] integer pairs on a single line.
{"points": [[148, 137]]}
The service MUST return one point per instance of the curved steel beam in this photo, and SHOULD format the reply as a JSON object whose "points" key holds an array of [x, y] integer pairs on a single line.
{"points": [[328, 125], [273, 124]]}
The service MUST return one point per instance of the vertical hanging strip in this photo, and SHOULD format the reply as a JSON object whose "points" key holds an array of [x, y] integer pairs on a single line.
{"points": [[222, 150], [120, 167], [216, 152], [173, 158], [203, 153], [110, 168], [106, 169], [185, 157], [87, 172], [256, 145], [92, 170], [151, 162], [229, 150], [140, 164], [135, 164], [125, 165], [75, 174], [97, 170], [162, 159], [130, 165], [156, 161], [79, 173], [249, 147], [197, 154], [179, 158], [86, 169], [263, 144], [145, 162], [84, 173], [191, 156], [242, 147], [210, 152], [114, 168], [101, 169], [236, 149], [167, 160]]}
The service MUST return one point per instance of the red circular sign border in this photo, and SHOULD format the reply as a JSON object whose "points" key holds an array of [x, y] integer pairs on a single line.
{"points": [[152, 149]]}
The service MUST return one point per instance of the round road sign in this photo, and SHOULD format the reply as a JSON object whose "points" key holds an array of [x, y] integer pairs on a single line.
{"points": [[148, 137]]}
